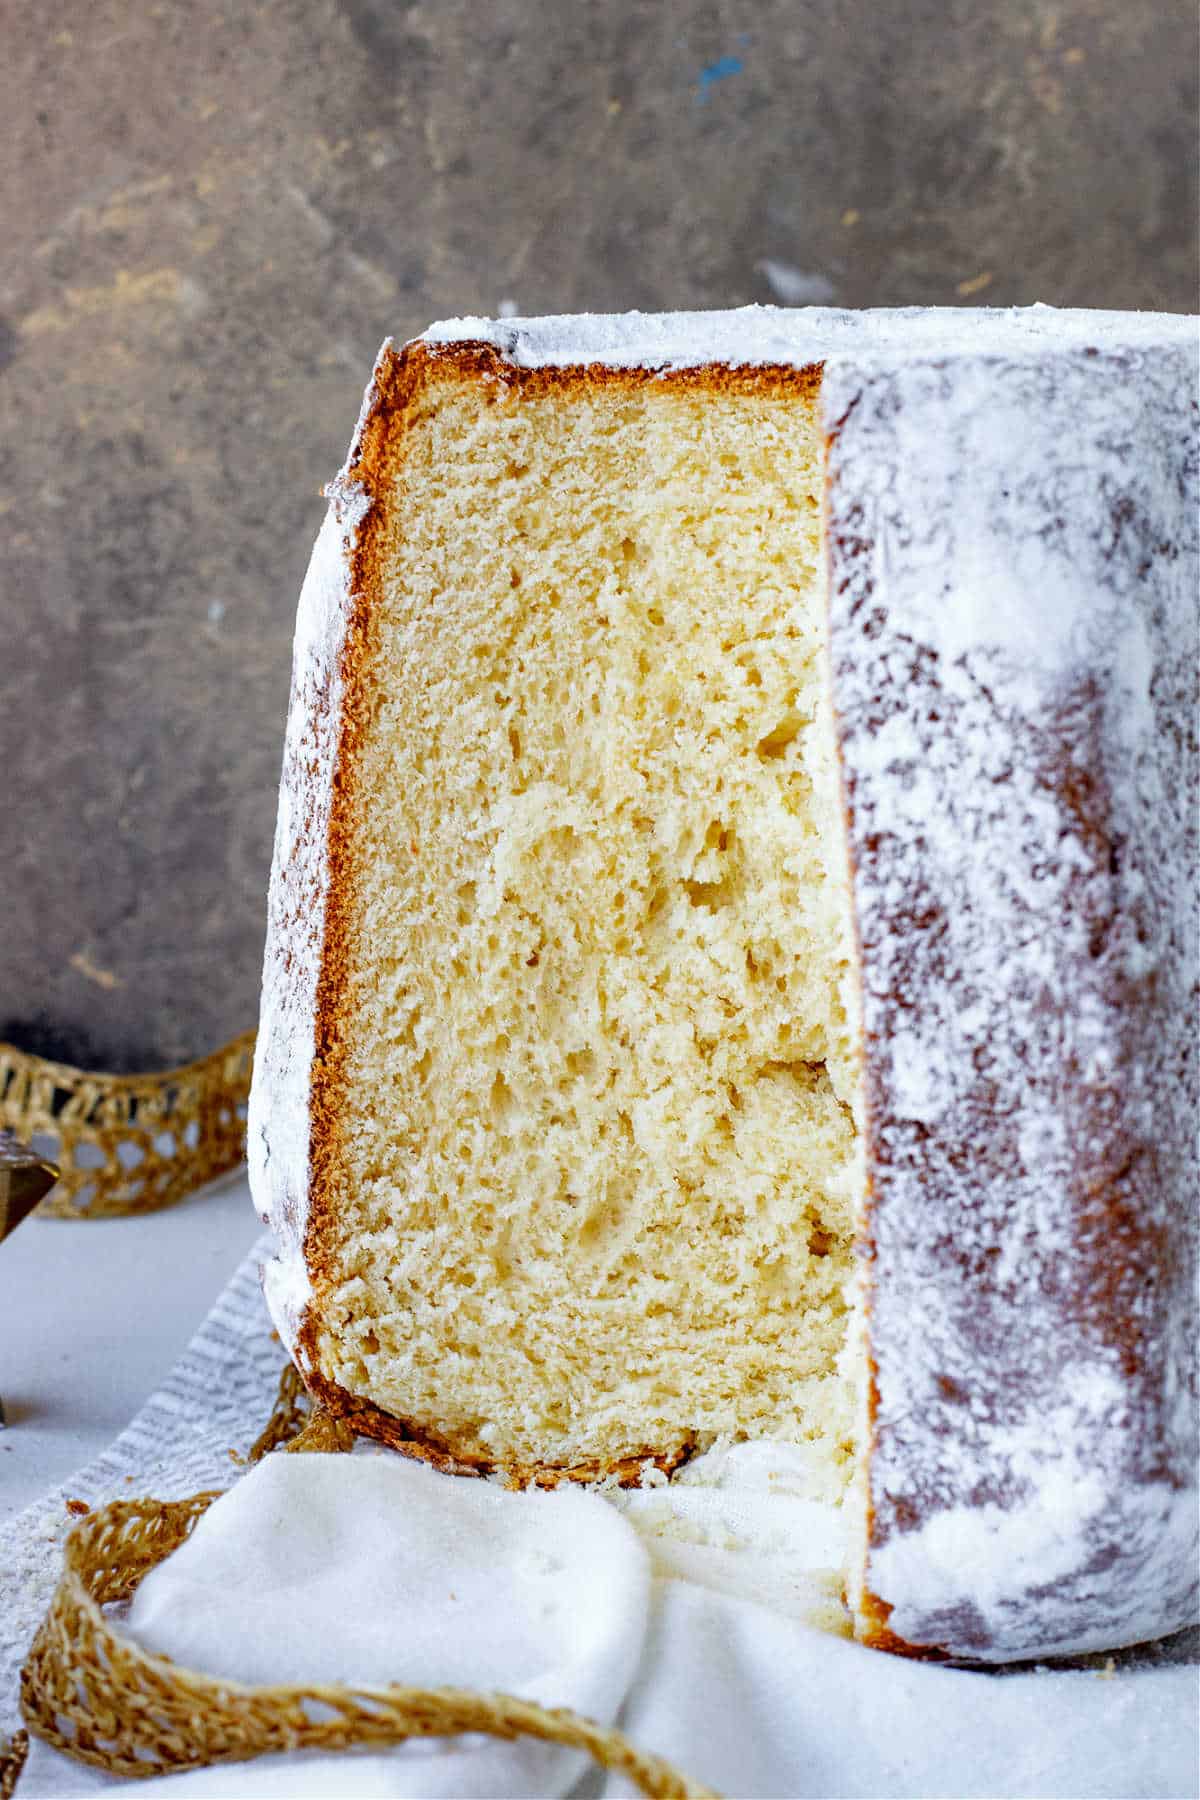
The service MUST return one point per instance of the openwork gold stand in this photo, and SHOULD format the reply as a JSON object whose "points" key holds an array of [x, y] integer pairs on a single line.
{"points": [[99, 1697], [128, 1143]]}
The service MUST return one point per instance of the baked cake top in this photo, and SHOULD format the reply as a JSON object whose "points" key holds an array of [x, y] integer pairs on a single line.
{"points": [[773, 334]]}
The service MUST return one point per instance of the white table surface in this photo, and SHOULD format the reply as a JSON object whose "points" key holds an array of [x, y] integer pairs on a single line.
{"points": [[93, 1313]]}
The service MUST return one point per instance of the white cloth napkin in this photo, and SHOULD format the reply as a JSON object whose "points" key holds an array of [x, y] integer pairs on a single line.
{"points": [[374, 1569], [371, 1568]]}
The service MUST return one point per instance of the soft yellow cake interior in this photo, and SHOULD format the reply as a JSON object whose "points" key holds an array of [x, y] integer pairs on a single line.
{"points": [[597, 1174]]}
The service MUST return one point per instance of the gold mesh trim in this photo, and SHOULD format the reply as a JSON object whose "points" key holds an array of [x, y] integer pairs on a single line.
{"points": [[99, 1697], [12, 1760], [128, 1143]]}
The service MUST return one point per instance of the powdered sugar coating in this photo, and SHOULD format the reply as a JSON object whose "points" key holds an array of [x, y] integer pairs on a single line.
{"points": [[1014, 637], [279, 1121], [1013, 630], [750, 335]]}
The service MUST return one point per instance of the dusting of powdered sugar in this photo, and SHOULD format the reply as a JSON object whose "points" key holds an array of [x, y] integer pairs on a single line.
{"points": [[749, 335], [277, 1128], [1038, 1544], [1013, 546], [279, 1114]]}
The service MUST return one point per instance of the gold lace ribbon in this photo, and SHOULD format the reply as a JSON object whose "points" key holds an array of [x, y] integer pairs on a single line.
{"points": [[12, 1760], [128, 1143], [96, 1695]]}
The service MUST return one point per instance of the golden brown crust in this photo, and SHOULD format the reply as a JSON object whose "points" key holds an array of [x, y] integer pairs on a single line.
{"points": [[402, 378], [366, 1419], [870, 1630]]}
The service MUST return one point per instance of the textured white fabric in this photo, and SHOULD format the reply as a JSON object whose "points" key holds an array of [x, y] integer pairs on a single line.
{"points": [[683, 1621], [374, 1569]]}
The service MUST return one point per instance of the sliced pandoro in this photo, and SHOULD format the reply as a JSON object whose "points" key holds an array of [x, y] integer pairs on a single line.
{"points": [[682, 1016]]}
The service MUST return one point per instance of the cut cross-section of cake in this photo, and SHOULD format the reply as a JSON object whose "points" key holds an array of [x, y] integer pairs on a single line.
{"points": [[732, 950]]}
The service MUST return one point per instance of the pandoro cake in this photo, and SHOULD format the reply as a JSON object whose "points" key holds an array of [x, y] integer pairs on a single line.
{"points": [[732, 952]]}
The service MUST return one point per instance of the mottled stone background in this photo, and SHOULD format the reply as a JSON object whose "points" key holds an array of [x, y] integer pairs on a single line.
{"points": [[212, 215]]}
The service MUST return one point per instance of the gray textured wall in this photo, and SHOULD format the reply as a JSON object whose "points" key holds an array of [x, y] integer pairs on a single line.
{"points": [[213, 213]]}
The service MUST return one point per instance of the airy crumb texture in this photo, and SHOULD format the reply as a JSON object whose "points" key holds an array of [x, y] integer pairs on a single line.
{"points": [[597, 1169]]}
